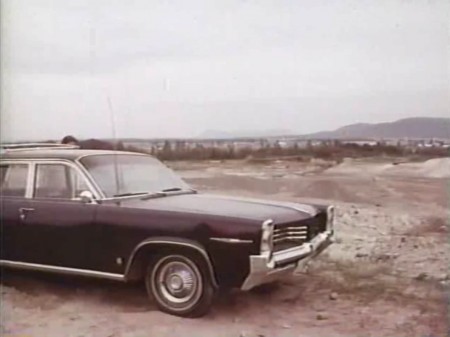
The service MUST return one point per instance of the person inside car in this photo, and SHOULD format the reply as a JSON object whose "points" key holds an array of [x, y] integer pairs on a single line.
{"points": [[92, 144]]}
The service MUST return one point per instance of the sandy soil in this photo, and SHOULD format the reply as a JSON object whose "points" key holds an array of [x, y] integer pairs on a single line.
{"points": [[388, 274]]}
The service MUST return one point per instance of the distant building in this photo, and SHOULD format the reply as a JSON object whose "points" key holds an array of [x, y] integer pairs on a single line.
{"points": [[360, 142]]}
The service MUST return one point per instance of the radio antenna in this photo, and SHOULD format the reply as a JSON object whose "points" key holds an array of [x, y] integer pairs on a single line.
{"points": [[113, 124], [113, 128]]}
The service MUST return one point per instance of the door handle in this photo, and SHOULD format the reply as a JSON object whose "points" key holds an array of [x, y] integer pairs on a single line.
{"points": [[24, 211]]}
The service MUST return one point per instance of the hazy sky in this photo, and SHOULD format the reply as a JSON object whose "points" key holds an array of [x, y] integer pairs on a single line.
{"points": [[178, 68]]}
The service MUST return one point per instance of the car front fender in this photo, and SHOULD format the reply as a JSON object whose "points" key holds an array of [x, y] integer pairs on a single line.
{"points": [[155, 243]]}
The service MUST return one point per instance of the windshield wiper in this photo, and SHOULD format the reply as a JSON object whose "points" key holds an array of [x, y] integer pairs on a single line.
{"points": [[173, 189], [179, 189], [129, 194]]}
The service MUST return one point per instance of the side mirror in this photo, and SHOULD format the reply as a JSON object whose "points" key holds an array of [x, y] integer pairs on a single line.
{"points": [[86, 197]]}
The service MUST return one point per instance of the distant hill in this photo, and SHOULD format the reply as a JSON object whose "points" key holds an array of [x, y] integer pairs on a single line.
{"points": [[418, 127]]}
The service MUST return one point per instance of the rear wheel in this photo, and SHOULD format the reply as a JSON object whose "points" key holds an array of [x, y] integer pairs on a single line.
{"points": [[179, 285]]}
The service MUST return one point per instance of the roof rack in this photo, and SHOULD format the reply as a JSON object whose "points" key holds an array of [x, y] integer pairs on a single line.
{"points": [[35, 146]]}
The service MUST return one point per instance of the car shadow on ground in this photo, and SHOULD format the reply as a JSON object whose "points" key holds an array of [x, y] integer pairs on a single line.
{"points": [[115, 296]]}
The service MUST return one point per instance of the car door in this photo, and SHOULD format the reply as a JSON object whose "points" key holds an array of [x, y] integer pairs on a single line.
{"points": [[58, 229], [14, 187]]}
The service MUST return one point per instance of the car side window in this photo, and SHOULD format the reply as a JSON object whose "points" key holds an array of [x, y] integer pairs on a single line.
{"points": [[13, 179], [58, 181]]}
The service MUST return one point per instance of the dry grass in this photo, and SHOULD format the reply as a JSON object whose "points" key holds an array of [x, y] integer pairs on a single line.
{"points": [[332, 150]]}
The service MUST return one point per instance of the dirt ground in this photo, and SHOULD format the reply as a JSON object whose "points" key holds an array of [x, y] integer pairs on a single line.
{"points": [[387, 275]]}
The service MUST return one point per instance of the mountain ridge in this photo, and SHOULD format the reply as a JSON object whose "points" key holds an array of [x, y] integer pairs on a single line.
{"points": [[413, 127]]}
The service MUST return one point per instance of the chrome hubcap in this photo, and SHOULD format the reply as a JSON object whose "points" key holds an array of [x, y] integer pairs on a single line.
{"points": [[177, 282]]}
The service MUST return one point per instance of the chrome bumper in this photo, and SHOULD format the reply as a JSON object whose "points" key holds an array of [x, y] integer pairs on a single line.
{"points": [[266, 269]]}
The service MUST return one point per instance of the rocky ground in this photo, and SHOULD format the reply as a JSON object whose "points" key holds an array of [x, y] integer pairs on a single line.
{"points": [[387, 275]]}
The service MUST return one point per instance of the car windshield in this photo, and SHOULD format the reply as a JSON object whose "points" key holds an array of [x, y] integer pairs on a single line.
{"points": [[124, 174]]}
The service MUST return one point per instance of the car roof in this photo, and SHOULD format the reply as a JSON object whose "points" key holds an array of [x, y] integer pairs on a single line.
{"points": [[56, 153]]}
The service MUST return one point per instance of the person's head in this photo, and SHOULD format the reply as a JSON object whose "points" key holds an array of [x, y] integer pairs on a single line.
{"points": [[70, 140]]}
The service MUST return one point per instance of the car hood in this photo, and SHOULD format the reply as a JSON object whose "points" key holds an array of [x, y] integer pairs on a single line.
{"points": [[225, 206]]}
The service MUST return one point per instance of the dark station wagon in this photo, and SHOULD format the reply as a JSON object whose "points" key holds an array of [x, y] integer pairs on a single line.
{"points": [[125, 216]]}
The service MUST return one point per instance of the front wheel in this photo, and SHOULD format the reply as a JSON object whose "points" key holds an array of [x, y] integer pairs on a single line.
{"points": [[179, 285]]}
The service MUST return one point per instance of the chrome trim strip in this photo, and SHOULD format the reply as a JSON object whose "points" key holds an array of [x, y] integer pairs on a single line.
{"points": [[61, 270], [267, 226], [114, 152], [331, 211], [290, 233], [172, 242], [290, 239], [296, 229], [281, 235], [36, 146], [31, 181], [231, 240], [27, 149]]}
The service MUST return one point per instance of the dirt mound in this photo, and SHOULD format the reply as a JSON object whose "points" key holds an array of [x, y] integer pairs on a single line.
{"points": [[351, 167], [436, 168], [433, 168]]}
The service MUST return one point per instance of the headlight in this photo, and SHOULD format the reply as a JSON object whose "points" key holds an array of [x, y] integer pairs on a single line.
{"points": [[267, 237], [330, 218]]}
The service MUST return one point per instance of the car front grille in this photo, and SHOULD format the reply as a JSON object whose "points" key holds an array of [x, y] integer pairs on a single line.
{"points": [[297, 234], [289, 235]]}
